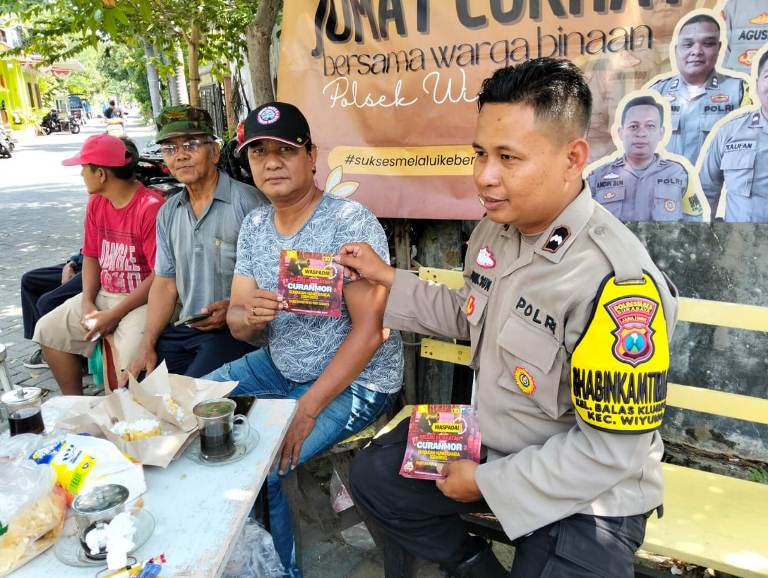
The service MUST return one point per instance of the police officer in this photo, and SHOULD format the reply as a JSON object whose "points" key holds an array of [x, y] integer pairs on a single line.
{"points": [[737, 157], [698, 95], [746, 25], [641, 185], [567, 315]]}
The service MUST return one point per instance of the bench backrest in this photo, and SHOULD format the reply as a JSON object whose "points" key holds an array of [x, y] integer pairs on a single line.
{"points": [[718, 313]]}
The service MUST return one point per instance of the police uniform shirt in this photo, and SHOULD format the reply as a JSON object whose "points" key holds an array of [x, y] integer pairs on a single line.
{"points": [[527, 309], [747, 29], [654, 193], [694, 115], [737, 158]]}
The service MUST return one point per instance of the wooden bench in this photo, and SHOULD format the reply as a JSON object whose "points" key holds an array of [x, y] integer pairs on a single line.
{"points": [[711, 520]]}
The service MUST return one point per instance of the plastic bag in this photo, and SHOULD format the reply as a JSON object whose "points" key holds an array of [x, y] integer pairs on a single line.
{"points": [[340, 498], [32, 512], [254, 555]]}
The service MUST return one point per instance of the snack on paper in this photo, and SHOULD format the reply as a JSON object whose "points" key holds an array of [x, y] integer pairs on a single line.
{"points": [[136, 430]]}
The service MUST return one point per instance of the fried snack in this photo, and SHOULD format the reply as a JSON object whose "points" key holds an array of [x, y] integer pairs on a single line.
{"points": [[34, 530], [173, 408], [136, 430]]}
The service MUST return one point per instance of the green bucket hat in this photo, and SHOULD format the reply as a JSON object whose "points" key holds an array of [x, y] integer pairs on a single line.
{"points": [[183, 120]]}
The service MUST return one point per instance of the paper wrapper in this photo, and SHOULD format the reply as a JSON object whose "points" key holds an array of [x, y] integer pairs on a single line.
{"points": [[72, 413], [172, 397], [154, 451]]}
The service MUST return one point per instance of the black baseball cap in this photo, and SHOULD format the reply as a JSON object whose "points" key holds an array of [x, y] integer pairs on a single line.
{"points": [[278, 121]]}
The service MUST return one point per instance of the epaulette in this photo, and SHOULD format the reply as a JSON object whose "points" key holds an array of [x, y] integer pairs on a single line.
{"points": [[623, 260]]}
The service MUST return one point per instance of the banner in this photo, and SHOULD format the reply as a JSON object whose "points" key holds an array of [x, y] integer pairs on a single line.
{"points": [[389, 88]]}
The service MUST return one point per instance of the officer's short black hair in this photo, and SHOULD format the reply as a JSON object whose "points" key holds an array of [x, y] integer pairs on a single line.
{"points": [[555, 89], [763, 60], [701, 18], [643, 101]]}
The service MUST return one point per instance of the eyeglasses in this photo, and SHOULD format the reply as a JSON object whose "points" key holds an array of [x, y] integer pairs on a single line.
{"points": [[189, 147]]}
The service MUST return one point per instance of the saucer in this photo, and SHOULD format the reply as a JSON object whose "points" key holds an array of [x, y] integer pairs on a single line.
{"points": [[69, 551], [242, 449]]}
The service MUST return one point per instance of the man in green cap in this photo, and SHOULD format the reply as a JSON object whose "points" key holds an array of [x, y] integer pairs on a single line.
{"points": [[197, 233]]}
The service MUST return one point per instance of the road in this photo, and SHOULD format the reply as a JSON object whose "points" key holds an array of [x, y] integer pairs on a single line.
{"points": [[42, 204]]}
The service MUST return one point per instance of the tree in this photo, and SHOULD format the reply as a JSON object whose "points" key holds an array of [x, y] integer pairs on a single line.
{"points": [[212, 30], [259, 39]]}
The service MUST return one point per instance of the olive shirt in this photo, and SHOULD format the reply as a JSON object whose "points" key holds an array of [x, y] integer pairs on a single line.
{"points": [[200, 253], [524, 306]]}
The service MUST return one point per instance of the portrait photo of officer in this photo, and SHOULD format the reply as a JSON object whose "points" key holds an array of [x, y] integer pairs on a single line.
{"points": [[734, 162], [698, 94], [613, 75], [642, 183], [746, 26]]}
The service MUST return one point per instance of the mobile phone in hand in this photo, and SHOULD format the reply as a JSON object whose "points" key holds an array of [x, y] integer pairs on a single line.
{"points": [[193, 318]]}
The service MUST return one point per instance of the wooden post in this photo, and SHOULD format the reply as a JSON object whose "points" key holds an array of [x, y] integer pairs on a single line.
{"points": [[403, 261], [439, 245], [230, 111]]}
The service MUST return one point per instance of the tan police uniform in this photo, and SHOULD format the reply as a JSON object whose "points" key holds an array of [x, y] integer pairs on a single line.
{"points": [[569, 335]]}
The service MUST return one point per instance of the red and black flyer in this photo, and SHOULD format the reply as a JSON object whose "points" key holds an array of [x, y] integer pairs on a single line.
{"points": [[438, 434], [310, 283]]}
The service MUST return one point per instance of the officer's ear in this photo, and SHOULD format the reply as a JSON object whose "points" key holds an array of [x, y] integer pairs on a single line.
{"points": [[578, 155]]}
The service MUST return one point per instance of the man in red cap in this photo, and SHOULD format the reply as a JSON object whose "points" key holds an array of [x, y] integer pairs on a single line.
{"points": [[118, 260]]}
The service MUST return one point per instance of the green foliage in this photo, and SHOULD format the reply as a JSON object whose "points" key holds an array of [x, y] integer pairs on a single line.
{"points": [[758, 474], [59, 29], [124, 70]]}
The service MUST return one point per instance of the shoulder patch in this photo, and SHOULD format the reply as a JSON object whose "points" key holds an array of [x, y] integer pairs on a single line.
{"points": [[619, 366]]}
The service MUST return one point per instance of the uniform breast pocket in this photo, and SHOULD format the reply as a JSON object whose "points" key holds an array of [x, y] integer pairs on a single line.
{"points": [[667, 203], [675, 120], [612, 198], [474, 308], [739, 171], [533, 362]]}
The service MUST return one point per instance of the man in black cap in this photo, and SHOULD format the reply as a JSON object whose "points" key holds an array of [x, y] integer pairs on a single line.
{"points": [[344, 371], [196, 239]]}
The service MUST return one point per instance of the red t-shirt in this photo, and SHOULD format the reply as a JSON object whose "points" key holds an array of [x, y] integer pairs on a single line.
{"points": [[123, 240]]}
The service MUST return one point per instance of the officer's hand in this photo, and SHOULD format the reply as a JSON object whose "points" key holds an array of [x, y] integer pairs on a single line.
{"points": [[360, 260], [262, 307], [459, 483], [215, 321]]}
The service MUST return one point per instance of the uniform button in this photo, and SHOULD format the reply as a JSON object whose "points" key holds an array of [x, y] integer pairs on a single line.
{"points": [[599, 230]]}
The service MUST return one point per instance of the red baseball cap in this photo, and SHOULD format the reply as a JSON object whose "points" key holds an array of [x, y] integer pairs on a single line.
{"points": [[103, 150]]}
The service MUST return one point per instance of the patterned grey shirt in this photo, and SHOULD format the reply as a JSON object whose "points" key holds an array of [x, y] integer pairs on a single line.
{"points": [[301, 346]]}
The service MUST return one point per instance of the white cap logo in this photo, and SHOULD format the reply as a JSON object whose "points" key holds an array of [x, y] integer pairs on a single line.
{"points": [[268, 115]]}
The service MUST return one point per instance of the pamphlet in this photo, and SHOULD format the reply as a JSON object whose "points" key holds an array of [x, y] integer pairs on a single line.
{"points": [[310, 283], [438, 434]]}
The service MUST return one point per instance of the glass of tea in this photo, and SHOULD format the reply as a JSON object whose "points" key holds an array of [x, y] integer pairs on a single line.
{"points": [[216, 421], [23, 406]]}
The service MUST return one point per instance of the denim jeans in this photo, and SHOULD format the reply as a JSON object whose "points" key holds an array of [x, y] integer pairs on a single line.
{"points": [[352, 410]]}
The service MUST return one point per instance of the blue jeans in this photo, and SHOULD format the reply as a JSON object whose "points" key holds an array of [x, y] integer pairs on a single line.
{"points": [[352, 410]]}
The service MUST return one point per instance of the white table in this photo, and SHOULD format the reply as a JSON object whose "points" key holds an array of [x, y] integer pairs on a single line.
{"points": [[199, 510]]}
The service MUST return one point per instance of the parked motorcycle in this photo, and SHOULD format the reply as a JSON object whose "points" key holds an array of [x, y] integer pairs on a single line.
{"points": [[6, 144], [52, 122]]}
